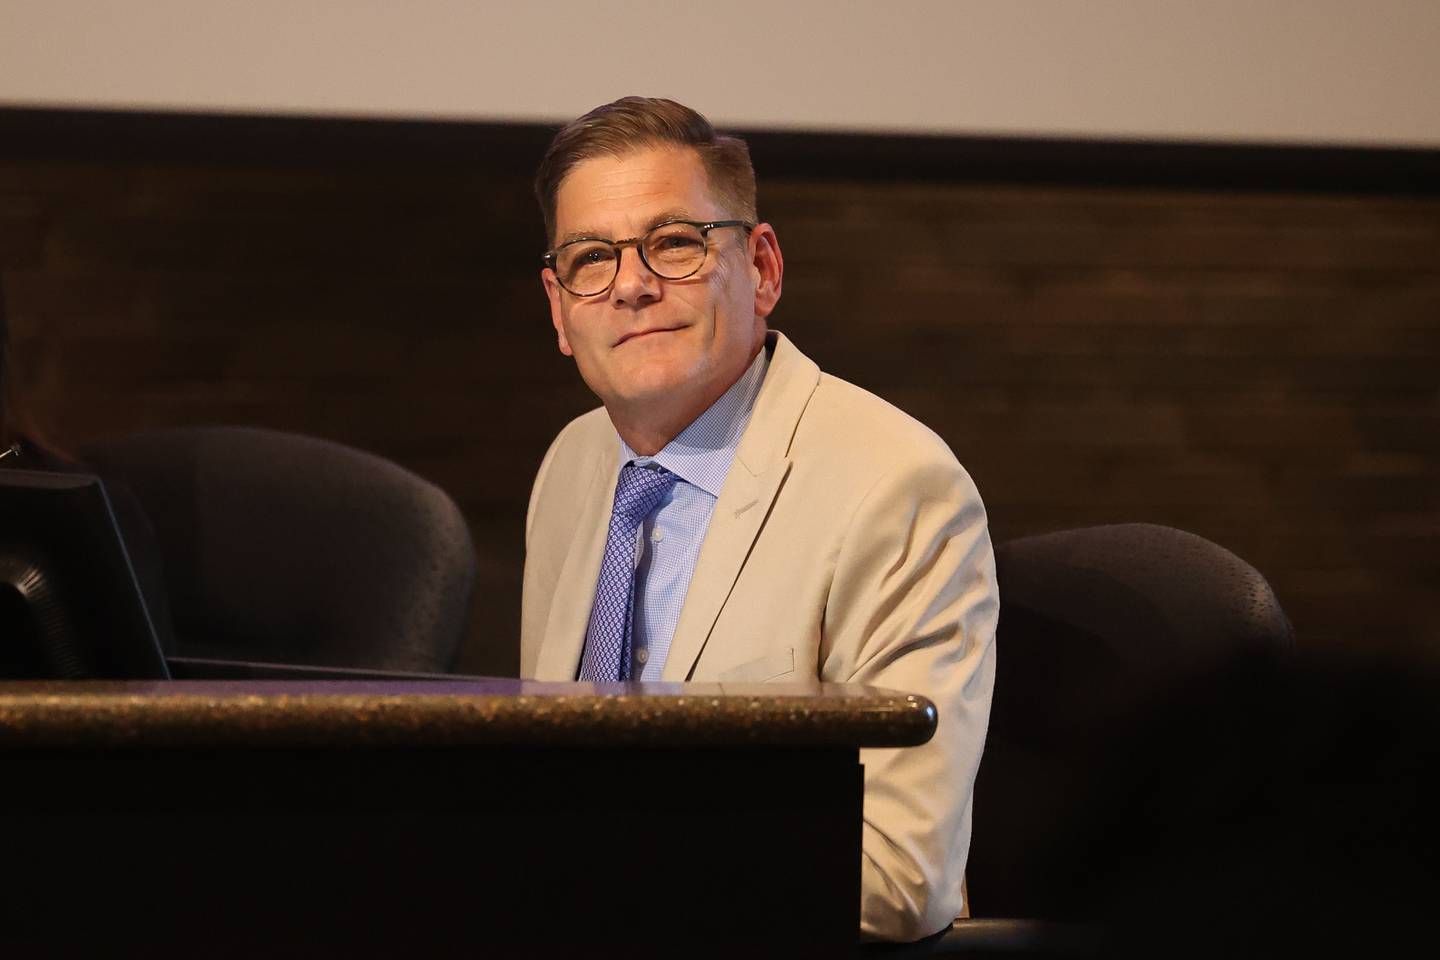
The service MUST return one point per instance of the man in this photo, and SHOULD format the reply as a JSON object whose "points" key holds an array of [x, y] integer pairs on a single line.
{"points": [[733, 514]]}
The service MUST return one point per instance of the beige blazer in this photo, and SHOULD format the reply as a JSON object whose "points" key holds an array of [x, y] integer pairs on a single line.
{"points": [[847, 545]]}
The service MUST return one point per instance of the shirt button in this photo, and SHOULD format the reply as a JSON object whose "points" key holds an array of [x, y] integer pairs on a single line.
{"points": [[641, 655], [657, 535]]}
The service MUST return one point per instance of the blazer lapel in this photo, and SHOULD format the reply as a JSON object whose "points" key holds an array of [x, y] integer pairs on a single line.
{"points": [[564, 640], [755, 478]]}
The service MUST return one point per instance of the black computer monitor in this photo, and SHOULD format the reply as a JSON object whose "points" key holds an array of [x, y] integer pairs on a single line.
{"points": [[70, 606]]}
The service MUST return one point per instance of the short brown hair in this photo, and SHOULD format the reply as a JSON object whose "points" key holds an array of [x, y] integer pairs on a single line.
{"points": [[630, 123]]}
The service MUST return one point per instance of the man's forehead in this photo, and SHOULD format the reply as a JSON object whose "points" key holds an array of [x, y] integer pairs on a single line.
{"points": [[608, 193]]}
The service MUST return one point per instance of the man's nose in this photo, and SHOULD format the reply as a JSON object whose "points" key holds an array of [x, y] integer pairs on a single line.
{"points": [[635, 283]]}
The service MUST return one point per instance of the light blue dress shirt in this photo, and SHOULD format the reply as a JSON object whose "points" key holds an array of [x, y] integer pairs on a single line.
{"points": [[670, 537]]}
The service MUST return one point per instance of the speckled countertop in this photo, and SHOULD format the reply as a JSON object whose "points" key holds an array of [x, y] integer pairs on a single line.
{"points": [[471, 712]]}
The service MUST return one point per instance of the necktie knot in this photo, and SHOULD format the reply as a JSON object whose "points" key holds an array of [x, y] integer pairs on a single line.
{"points": [[640, 490]]}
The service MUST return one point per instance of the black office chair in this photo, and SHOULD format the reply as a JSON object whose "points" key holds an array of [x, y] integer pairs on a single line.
{"points": [[1098, 629], [291, 549]]}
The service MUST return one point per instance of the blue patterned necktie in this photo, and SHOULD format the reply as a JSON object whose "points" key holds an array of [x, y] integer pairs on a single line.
{"points": [[607, 641]]}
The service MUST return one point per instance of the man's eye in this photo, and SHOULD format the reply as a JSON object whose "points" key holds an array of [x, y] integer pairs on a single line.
{"points": [[679, 241], [676, 235], [590, 255]]}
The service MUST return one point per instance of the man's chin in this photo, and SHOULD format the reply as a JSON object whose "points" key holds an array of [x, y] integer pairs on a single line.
{"points": [[658, 392], [655, 375]]}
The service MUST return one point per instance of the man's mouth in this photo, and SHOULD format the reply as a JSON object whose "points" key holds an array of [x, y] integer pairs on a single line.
{"points": [[640, 334]]}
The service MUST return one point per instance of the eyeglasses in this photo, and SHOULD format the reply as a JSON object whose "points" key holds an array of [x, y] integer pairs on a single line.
{"points": [[672, 250]]}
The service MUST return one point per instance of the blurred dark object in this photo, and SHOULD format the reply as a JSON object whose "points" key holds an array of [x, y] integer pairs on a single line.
{"points": [[285, 548], [1266, 809], [136, 532], [70, 605], [1098, 627]]}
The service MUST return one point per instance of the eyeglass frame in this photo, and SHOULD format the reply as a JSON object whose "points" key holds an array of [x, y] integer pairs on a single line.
{"points": [[549, 258]]}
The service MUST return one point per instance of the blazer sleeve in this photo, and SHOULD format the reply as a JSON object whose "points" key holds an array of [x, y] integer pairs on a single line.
{"points": [[538, 584], [913, 607]]}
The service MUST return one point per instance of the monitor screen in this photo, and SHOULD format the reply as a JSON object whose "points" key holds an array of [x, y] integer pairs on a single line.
{"points": [[70, 606]]}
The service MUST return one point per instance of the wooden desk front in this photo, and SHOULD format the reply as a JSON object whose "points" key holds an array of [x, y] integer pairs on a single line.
{"points": [[475, 818]]}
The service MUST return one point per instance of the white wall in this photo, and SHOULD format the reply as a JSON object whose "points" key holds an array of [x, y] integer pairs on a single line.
{"points": [[1313, 71]]}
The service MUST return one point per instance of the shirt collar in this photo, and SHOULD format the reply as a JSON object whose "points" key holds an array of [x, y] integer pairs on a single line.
{"points": [[701, 455]]}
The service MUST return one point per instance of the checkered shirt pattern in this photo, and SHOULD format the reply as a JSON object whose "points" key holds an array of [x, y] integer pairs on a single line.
{"points": [[607, 641]]}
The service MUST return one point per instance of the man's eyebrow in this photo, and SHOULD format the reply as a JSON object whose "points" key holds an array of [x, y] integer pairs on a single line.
{"points": [[655, 221]]}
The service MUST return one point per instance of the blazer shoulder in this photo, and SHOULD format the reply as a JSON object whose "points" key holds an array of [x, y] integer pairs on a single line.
{"points": [[859, 427]]}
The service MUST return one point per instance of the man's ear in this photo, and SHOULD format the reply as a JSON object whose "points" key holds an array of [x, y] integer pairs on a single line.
{"points": [[557, 317], [769, 268]]}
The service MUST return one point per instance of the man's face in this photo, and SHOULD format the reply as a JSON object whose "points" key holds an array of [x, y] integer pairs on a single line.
{"points": [[647, 343]]}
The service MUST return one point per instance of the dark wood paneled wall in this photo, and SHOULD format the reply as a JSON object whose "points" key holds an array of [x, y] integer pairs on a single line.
{"points": [[1257, 365]]}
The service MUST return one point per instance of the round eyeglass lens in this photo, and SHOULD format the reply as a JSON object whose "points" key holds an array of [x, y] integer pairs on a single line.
{"points": [[586, 267], [675, 250]]}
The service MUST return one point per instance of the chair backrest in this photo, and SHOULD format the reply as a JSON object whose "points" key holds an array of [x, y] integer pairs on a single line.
{"points": [[293, 549], [1097, 625]]}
